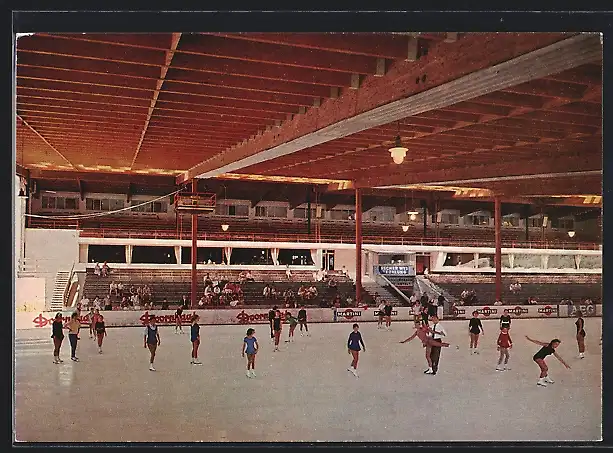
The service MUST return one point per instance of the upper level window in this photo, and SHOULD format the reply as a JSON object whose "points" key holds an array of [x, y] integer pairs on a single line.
{"points": [[510, 221], [58, 203], [479, 220], [451, 219]]}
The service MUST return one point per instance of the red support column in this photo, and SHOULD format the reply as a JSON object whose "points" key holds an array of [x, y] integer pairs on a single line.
{"points": [[194, 249], [498, 255], [358, 247]]}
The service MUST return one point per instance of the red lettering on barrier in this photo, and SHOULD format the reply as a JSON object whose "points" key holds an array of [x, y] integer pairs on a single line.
{"points": [[246, 318], [548, 310], [41, 321], [486, 311]]}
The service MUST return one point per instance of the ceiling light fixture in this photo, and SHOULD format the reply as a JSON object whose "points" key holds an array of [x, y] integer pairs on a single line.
{"points": [[571, 234], [225, 227], [398, 151], [412, 215], [405, 228]]}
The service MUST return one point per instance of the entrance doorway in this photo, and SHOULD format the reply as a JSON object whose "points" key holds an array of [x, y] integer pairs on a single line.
{"points": [[422, 262], [328, 260]]}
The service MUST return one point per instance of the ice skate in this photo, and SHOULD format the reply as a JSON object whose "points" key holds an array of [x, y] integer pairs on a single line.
{"points": [[541, 382]]}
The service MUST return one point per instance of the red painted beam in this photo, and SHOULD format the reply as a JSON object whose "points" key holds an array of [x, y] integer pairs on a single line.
{"points": [[82, 97], [83, 88], [84, 65], [258, 70], [190, 91], [55, 45], [560, 164], [213, 46], [247, 83], [369, 44], [445, 62]]}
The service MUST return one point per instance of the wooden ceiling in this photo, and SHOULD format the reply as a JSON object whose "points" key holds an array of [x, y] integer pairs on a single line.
{"points": [[187, 104]]}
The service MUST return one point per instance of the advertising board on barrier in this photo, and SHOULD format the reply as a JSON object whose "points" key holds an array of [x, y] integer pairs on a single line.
{"points": [[244, 316]]}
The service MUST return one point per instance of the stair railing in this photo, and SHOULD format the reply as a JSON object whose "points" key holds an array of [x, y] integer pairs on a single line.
{"points": [[68, 285], [381, 280]]}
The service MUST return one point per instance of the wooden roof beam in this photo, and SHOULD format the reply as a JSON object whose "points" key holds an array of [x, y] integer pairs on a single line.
{"points": [[174, 42], [221, 47], [382, 100], [369, 44]]}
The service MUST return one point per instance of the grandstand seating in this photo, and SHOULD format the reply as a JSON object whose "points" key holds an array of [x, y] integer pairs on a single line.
{"points": [[173, 284], [549, 289]]}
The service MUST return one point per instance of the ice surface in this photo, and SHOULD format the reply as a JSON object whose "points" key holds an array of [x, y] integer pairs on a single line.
{"points": [[304, 392]]}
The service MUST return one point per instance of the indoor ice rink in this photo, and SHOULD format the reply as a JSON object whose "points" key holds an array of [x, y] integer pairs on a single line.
{"points": [[304, 392]]}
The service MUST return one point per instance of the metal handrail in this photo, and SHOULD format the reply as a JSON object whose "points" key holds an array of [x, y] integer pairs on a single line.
{"points": [[290, 237], [68, 284]]}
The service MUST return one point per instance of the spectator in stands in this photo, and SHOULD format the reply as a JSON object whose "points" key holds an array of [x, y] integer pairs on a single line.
{"points": [[312, 293], [273, 292], [222, 299], [97, 303], [532, 301], [413, 299], [134, 300], [184, 302], [85, 303], [331, 283], [106, 270], [207, 280], [242, 277], [337, 300], [344, 271], [107, 303], [216, 291], [288, 273], [120, 289], [302, 292], [349, 301], [588, 301], [515, 287], [165, 304], [112, 288], [250, 277], [426, 272], [498, 302], [97, 270]]}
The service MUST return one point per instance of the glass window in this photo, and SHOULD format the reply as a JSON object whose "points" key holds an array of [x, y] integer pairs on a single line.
{"points": [[241, 210], [232, 210], [260, 211], [71, 203], [59, 203], [115, 204], [157, 206], [89, 204], [104, 204], [451, 219], [96, 205]]}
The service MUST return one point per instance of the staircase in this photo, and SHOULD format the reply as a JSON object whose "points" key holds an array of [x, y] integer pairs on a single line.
{"points": [[372, 287], [61, 281]]}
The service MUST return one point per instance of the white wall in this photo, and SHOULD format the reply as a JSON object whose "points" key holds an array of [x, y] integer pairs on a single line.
{"points": [[346, 258]]}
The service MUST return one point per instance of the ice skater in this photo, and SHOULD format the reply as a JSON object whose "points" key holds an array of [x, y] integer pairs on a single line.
{"points": [[436, 333], [250, 347], [293, 322], [417, 314], [504, 344], [73, 327], [387, 309], [427, 342], [100, 328], [474, 329], [539, 358], [57, 334], [151, 339], [178, 314], [195, 338], [302, 319], [505, 320], [353, 348], [580, 323], [276, 327], [381, 315], [91, 317], [271, 316]]}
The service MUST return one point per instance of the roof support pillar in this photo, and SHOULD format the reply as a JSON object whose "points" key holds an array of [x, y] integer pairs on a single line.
{"points": [[498, 241], [194, 249], [358, 247]]}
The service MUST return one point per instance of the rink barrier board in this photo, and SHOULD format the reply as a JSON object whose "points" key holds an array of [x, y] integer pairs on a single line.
{"points": [[135, 318]]}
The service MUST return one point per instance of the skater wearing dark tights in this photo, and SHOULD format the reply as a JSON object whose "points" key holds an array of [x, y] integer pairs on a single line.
{"points": [[58, 336], [474, 329], [539, 358], [580, 323], [195, 337], [276, 327], [505, 320], [100, 329], [271, 316], [302, 319], [353, 348]]}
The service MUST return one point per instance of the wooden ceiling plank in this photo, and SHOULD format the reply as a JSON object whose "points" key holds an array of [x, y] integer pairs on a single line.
{"points": [[220, 47], [373, 94], [25, 123]]}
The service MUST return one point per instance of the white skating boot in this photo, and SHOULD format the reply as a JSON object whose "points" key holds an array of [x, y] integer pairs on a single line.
{"points": [[541, 382], [151, 367], [549, 380], [252, 373], [197, 362], [581, 355], [500, 368], [248, 373], [429, 371]]}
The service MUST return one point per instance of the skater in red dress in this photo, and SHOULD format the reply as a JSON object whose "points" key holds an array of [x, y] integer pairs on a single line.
{"points": [[504, 344]]}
